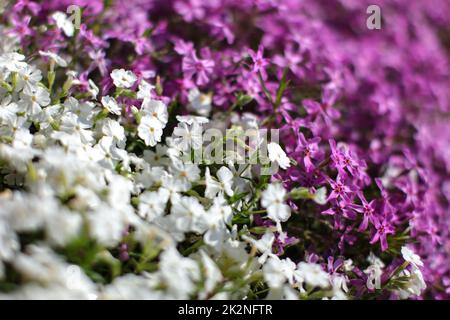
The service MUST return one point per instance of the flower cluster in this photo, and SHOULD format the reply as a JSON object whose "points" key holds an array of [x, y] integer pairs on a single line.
{"points": [[98, 123]]}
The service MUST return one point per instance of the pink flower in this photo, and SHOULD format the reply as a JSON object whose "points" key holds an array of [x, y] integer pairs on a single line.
{"points": [[200, 68], [259, 62]]}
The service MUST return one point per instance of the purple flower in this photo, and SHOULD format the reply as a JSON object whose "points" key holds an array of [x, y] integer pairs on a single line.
{"points": [[382, 229], [200, 68], [259, 62], [368, 211], [308, 150], [339, 188]]}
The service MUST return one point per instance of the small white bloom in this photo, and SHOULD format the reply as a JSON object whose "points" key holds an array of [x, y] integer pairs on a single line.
{"points": [[122, 78], [212, 274], [225, 183], [278, 271], [313, 274], [107, 154], [276, 154], [199, 102], [190, 120], [188, 215], [54, 57], [93, 89], [411, 257], [415, 285], [157, 157], [155, 109], [273, 200], [29, 76], [263, 245], [72, 124], [216, 219], [111, 105], [320, 196], [35, 98], [106, 225], [150, 130], [145, 90], [188, 136], [153, 203], [13, 61], [178, 273], [113, 129], [64, 23]]}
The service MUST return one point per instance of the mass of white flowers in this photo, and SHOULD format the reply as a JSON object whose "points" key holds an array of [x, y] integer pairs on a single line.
{"points": [[96, 204]]}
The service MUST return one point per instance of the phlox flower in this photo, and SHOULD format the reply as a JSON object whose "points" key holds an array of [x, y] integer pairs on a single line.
{"points": [[200, 68], [150, 130], [122, 78], [273, 200]]}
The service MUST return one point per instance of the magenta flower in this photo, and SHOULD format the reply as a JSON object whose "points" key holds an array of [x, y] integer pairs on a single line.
{"points": [[308, 150], [200, 68], [382, 229], [368, 211], [259, 62], [340, 188]]}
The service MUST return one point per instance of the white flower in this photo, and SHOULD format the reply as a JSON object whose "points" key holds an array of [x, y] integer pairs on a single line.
{"points": [[13, 61], [155, 109], [145, 90], [122, 78], [72, 124], [190, 120], [9, 243], [277, 271], [374, 272], [153, 203], [415, 285], [93, 89], [64, 23], [150, 130], [320, 196], [313, 274], [157, 157], [276, 154], [224, 184], [111, 105], [34, 98], [84, 110], [106, 225], [54, 57], [178, 273], [273, 200], [199, 102], [29, 76], [263, 245], [216, 218], [411, 257], [188, 136], [188, 215], [62, 226], [107, 154], [113, 129], [212, 274], [185, 173]]}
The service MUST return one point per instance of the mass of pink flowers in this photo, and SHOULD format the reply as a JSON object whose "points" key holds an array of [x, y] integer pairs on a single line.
{"points": [[364, 113]]}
